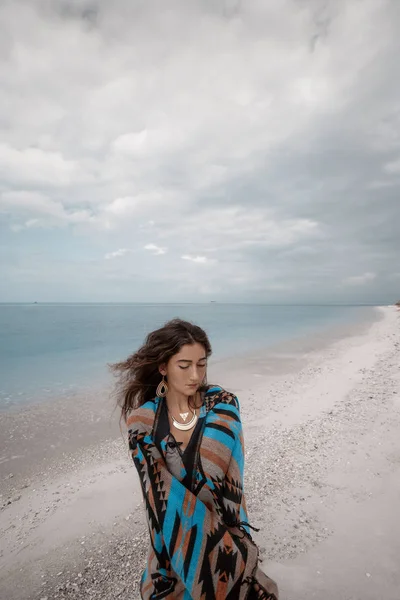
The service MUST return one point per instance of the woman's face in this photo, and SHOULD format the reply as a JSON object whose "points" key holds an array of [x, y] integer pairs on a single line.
{"points": [[186, 370]]}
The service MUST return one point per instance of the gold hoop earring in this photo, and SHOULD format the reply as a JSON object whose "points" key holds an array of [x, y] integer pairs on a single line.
{"points": [[162, 388]]}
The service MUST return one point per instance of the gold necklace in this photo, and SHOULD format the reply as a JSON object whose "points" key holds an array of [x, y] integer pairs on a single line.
{"points": [[185, 426]]}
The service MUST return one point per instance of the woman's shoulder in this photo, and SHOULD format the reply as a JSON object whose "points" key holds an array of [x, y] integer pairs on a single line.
{"points": [[223, 411], [143, 414], [216, 395]]}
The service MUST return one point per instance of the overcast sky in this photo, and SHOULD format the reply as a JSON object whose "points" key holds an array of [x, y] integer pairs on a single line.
{"points": [[200, 150]]}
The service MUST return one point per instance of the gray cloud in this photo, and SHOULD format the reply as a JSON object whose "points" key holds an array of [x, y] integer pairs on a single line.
{"points": [[233, 150]]}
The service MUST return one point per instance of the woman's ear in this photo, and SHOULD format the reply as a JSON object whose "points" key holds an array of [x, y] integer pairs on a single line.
{"points": [[162, 369]]}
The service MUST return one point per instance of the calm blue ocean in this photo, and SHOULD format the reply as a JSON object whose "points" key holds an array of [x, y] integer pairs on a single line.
{"points": [[49, 350]]}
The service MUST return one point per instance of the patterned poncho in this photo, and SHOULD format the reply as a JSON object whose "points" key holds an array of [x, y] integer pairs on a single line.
{"points": [[200, 549]]}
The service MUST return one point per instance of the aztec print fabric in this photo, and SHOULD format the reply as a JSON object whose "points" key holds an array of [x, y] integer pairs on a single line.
{"points": [[197, 552], [175, 455]]}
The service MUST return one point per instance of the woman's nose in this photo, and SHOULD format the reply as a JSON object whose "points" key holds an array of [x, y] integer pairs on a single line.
{"points": [[194, 374]]}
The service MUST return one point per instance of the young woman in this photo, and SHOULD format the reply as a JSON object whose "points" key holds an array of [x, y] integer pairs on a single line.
{"points": [[187, 445]]}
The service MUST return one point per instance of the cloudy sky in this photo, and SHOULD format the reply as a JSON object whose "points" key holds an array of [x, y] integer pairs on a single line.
{"points": [[189, 150]]}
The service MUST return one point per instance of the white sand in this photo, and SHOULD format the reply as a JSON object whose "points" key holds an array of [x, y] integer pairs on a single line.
{"points": [[322, 482]]}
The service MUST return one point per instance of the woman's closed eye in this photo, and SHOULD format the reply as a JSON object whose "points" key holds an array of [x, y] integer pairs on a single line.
{"points": [[200, 367]]}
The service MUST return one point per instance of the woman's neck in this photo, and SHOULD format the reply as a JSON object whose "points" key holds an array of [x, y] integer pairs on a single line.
{"points": [[178, 402]]}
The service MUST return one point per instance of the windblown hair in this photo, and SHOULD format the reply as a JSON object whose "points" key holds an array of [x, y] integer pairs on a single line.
{"points": [[138, 376]]}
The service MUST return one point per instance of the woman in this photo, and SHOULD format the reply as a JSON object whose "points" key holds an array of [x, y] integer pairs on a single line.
{"points": [[187, 445]]}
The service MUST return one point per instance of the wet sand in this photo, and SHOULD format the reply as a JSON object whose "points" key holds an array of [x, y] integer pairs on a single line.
{"points": [[321, 420]]}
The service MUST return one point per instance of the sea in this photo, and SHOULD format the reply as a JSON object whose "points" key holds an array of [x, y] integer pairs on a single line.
{"points": [[53, 350]]}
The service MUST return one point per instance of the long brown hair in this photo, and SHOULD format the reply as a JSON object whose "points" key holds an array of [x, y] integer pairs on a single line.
{"points": [[138, 376]]}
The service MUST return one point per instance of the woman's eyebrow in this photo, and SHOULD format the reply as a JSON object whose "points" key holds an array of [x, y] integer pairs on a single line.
{"points": [[189, 361]]}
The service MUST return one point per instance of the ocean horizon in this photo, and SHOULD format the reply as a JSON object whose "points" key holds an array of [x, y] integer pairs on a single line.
{"points": [[53, 349]]}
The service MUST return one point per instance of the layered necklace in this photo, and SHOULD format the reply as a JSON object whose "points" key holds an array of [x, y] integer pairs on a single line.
{"points": [[185, 426]]}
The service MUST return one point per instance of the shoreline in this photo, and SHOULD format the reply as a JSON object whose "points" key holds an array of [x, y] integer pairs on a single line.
{"points": [[102, 381], [75, 523], [53, 431]]}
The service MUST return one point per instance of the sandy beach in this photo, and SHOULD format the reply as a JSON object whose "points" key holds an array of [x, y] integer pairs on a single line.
{"points": [[321, 421]]}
